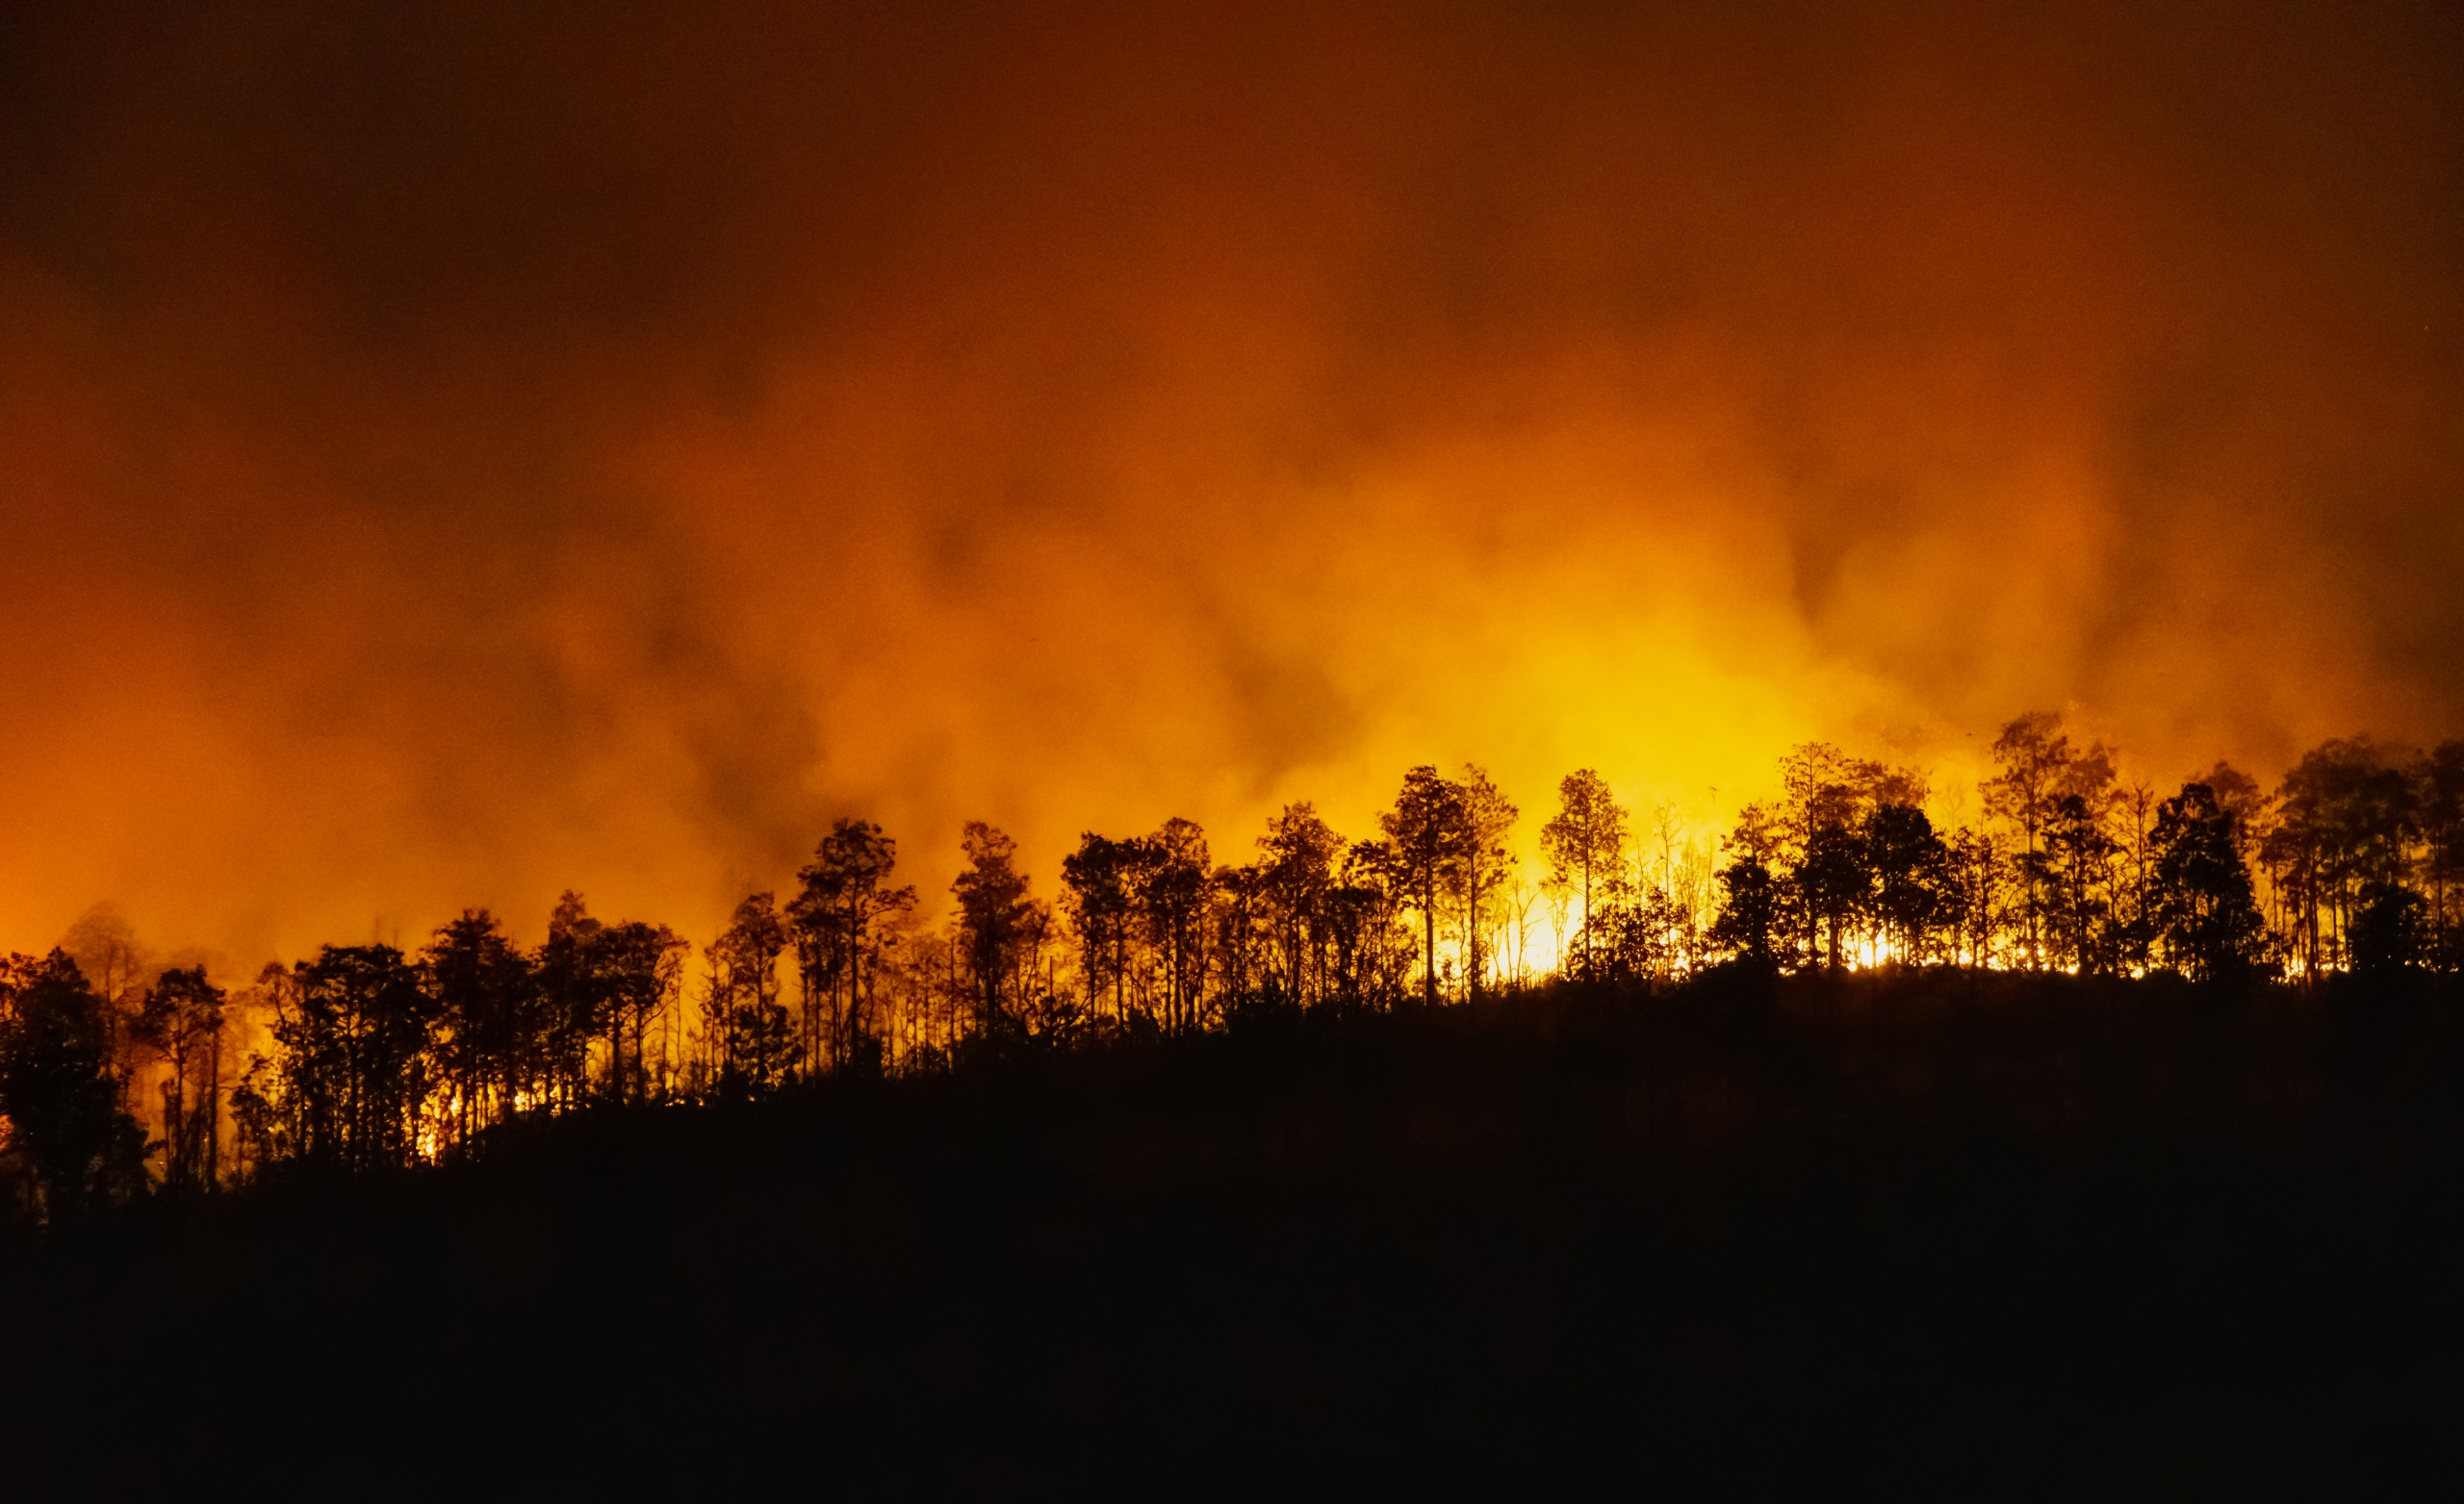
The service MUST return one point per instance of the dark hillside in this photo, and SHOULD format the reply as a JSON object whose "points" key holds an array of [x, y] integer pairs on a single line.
{"points": [[2003, 1237]]}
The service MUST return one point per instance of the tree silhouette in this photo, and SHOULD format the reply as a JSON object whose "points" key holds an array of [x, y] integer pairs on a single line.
{"points": [[59, 1090], [1170, 896], [1238, 931], [351, 1075], [2388, 928], [754, 1035], [108, 954], [488, 1013], [2077, 863], [1976, 876], [1099, 892], [1585, 844], [1484, 868], [2034, 755], [837, 915], [1751, 912], [2344, 818], [1373, 950], [641, 967], [1426, 833], [1296, 874], [2207, 923], [2133, 919], [994, 915], [1833, 884], [182, 1020], [1910, 875], [2439, 778], [1823, 792], [573, 998], [378, 1063]]}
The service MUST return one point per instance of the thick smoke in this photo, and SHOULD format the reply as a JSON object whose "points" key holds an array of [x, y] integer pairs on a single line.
{"points": [[452, 452]]}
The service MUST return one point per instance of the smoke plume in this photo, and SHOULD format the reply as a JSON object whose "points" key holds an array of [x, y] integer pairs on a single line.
{"points": [[451, 454]]}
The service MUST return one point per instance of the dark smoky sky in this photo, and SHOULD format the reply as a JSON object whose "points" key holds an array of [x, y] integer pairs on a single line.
{"points": [[450, 452]]}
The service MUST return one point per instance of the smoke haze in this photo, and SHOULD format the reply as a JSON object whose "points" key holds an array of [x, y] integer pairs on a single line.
{"points": [[452, 453]]}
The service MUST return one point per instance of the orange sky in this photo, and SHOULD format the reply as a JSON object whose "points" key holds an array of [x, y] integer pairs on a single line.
{"points": [[446, 455]]}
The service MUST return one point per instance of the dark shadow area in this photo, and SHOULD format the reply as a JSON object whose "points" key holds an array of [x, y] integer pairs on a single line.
{"points": [[1912, 1235]]}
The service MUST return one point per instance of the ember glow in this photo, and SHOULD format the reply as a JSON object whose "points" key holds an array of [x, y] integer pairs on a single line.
{"points": [[453, 454]]}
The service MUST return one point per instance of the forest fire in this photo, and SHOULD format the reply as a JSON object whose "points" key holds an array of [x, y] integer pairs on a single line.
{"points": [[570, 572], [1095, 446], [2351, 865]]}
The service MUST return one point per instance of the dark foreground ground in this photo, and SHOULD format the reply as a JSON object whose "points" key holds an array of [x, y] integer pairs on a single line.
{"points": [[1911, 1238]]}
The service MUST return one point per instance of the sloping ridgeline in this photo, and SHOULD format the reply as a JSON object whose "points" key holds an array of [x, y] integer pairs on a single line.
{"points": [[1975, 1233]]}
